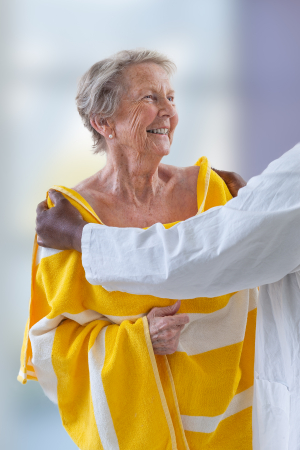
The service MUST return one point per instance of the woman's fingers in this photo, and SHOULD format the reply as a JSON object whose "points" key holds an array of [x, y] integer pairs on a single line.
{"points": [[166, 346], [166, 335], [163, 323], [165, 329], [158, 325], [165, 310]]}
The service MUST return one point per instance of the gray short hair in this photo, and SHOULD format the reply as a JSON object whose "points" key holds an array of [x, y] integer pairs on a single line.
{"points": [[100, 88]]}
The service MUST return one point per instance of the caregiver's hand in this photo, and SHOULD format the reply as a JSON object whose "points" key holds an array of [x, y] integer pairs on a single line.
{"points": [[233, 180], [60, 227], [165, 328]]}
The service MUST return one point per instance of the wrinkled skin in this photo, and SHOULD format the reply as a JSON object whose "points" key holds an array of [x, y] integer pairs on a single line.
{"points": [[134, 188], [165, 328], [147, 103]]}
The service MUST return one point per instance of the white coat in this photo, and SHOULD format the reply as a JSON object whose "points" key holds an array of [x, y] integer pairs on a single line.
{"points": [[254, 240]]}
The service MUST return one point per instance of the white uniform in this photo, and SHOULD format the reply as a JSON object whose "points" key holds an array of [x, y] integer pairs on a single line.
{"points": [[253, 240]]}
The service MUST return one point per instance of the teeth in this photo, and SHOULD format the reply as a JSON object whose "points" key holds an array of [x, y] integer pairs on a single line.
{"points": [[159, 131]]}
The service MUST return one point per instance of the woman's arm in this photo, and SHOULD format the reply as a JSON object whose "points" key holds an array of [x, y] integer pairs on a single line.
{"points": [[252, 240]]}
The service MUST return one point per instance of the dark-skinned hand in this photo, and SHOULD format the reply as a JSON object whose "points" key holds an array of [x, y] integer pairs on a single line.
{"points": [[233, 181], [165, 327], [59, 227]]}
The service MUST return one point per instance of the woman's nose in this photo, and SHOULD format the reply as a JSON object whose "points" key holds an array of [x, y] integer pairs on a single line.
{"points": [[167, 108]]}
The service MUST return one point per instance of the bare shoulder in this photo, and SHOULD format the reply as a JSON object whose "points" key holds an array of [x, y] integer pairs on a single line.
{"points": [[184, 177], [86, 184]]}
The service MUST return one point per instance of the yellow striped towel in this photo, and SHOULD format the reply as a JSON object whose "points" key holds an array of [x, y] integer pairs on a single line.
{"points": [[91, 352]]}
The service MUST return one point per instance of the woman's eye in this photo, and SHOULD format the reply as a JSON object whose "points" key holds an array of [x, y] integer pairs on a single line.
{"points": [[170, 98], [149, 96]]}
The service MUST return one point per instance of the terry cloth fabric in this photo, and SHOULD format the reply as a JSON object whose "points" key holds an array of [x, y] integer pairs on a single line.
{"points": [[91, 352]]}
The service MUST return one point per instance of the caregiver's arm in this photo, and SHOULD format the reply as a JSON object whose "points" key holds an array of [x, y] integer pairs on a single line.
{"points": [[253, 240]]}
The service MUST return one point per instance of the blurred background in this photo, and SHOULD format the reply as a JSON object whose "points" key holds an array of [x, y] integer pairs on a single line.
{"points": [[238, 97]]}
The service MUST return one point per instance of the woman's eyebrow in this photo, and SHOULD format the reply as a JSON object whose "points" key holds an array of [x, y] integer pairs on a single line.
{"points": [[153, 89]]}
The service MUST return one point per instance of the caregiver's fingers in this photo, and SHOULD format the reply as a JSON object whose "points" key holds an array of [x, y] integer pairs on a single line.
{"points": [[59, 227], [56, 196], [40, 242], [233, 180], [42, 206]]}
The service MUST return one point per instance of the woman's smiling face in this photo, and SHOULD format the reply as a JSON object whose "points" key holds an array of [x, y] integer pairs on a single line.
{"points": [[146, 117]]}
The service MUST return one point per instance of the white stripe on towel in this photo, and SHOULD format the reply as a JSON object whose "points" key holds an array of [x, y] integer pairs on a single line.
{"points": [[43, 252], [219, 329], [102, 413], [204, 424], [42, 337], [85, 316]]}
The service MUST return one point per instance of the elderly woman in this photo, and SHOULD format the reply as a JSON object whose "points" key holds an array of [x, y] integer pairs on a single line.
{"points": [[126, 372]]}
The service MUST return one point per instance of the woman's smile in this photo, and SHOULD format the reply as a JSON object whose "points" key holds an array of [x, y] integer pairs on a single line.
{"points": [[160, 131]]}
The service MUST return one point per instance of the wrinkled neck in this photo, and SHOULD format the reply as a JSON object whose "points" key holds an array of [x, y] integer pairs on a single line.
{"points": [[131, 175]]}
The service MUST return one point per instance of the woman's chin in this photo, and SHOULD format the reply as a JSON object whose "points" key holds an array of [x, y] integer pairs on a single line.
{"points": [[159, 145], [161, 150]]}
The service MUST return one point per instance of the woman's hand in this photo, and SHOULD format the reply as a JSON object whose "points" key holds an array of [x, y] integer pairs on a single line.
{"points": [[233, 181], [165, 328]]}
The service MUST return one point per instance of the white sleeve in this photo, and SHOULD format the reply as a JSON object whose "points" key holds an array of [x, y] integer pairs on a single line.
{"points": [[253, 240]]}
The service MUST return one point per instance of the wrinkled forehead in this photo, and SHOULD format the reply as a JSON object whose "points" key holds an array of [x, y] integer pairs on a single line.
{"points": [[139, 77]]}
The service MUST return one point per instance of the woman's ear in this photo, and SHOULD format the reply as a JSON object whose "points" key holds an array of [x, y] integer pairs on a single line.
{"points": [[101, 126]]}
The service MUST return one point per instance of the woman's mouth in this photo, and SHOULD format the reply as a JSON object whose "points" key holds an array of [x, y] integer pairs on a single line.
{"points": [[159, 131]]}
